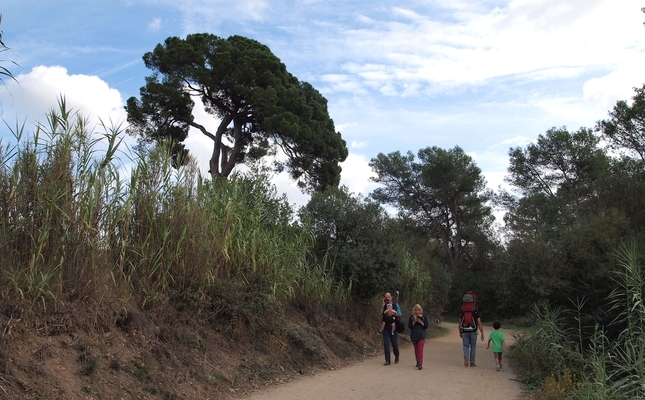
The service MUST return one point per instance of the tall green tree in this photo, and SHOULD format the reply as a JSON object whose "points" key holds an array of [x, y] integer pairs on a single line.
{"points": [[560, 229], [555, 177], [444, 193], [625, 128], [624, 190], [260, 107], [359, 238], [558, 161]]}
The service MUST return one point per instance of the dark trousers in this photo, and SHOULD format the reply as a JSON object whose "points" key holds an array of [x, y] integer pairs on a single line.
{"points": [[388, 338]]}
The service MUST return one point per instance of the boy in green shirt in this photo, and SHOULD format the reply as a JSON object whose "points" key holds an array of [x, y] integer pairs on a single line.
{"points": [[498, 339]]}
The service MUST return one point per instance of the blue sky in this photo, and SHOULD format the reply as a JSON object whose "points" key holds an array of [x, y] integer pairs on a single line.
{"points": [[484, 75]]}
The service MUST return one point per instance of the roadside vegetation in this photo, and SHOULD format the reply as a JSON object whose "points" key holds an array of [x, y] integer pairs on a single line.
{"points": [[569, 358], [132, 264], [97, 239]]}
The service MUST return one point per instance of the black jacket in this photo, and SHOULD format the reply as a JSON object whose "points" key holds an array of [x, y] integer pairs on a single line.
{"points": [[417, 332]]}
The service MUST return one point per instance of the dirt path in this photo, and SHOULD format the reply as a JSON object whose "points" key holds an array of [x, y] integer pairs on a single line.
{"points": [[443, 377]]}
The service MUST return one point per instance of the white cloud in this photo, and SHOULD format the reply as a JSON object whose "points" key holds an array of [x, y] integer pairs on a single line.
{"points": [[531, 39], [343, 83], [154, 25], [616, 85], [389, 90], [342, 127], [409, 14], [514, 141], [284, 184], [597, 95], [358, 145], [37, 92], [554, 73], [200, 147], [571, 109], [547, 14], [202, 15], [356, 174], [495, 179]]}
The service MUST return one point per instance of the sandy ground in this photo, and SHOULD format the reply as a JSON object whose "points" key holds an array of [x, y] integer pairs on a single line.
{"points": [[443, 376]]}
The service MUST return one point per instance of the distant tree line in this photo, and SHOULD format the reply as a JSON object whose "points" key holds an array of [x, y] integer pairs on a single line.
{"points": [[572, 201]]}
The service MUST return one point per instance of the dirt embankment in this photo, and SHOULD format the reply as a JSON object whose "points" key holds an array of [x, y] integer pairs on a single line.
{"points": [[166, 354]]}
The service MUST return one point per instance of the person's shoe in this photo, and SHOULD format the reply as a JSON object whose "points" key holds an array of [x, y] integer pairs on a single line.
{"points": [[420, 366], [417, 365], [396, 360], [498, 367], [472, 364], [387, 363], [465, 361]]}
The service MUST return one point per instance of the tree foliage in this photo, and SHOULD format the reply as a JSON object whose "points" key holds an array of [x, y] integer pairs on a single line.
{"points": [[563, 229], [372, 251], [358, 237], [624, 131], [444, 193], [259, 105], [559, 161], [625, 128], [556, 176]]}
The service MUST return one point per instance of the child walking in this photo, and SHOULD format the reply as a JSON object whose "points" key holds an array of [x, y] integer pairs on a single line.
{"points": [[498, 339]]}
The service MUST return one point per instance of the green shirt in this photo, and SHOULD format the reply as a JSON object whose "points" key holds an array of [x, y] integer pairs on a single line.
{"points": [[497, 337]]}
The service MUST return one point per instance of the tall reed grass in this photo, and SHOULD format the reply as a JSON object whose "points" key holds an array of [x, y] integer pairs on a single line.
{"points": [[564, 359], [80, 213]]}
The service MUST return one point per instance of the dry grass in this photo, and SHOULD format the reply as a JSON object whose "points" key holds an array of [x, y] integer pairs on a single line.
{"points": [[117, 267]]}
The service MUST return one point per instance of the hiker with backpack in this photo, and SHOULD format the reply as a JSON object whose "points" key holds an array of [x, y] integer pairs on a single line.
{"points": [[469, 323], [390, 337]]}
